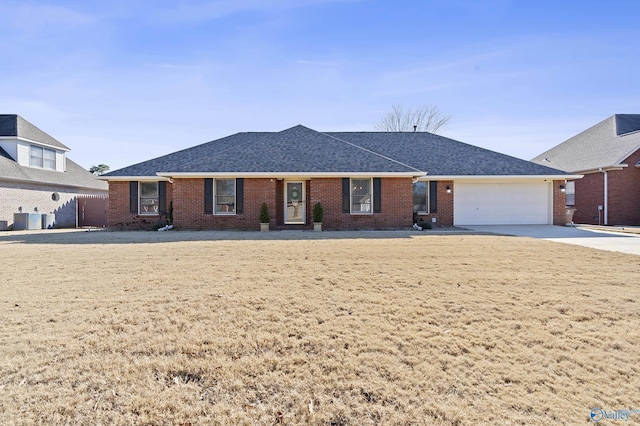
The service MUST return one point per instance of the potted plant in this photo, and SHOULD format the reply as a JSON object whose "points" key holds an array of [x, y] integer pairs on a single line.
{"points": [[318, 214], [264, 217]]}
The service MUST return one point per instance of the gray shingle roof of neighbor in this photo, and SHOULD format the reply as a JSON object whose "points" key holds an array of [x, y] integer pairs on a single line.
{"points": [[300, 149], [606, 144], [16, 126], [74, 176]]}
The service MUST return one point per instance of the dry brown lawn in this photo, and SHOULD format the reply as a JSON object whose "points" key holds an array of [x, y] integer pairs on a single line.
{"points": [[301, 328]]}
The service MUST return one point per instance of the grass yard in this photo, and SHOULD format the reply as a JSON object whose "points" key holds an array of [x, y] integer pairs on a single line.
{"points": [[304, 328]]}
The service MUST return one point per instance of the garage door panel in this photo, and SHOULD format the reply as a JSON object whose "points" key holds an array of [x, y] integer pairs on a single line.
{"points": [[501, 204]]}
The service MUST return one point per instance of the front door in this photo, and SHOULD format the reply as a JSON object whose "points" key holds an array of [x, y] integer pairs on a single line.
{"points": [[294, 202]]}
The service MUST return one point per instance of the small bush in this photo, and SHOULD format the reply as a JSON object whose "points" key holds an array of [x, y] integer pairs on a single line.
{"points": [[318, 213], [264, 213]]}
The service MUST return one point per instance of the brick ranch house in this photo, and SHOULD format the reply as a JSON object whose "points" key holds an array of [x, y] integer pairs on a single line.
{"points": [[364, 180], [608, 155], [37, 177]]}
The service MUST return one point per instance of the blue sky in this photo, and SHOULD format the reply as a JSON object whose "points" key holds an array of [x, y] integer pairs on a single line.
{"points": [[124, 81]]}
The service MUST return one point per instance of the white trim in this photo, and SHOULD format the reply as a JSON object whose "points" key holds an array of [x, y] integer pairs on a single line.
{"points": [[154, 213], [137, 178], [370, 196], [606, 197], [304, 202], [601, 169], [235, 198], [20, 138], [497, 177], [282, 175]]}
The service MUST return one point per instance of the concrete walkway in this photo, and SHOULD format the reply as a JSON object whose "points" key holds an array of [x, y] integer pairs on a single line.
{"points": [[598, 239]]}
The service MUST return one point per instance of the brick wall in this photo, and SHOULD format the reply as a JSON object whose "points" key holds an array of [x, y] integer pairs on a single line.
{"points": [[188, 204], [623, 191], [444, 213], [396, 205], [559, 203], [29, 197]]}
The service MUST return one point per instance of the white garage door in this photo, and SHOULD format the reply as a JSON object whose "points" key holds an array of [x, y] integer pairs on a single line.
{"points": [[502, 203]]}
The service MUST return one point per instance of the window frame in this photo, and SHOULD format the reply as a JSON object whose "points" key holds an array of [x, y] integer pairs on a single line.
{"points": [[215, 197], [570, 193], [156, 211], [41, 157], [351, 196], [427, 197]]}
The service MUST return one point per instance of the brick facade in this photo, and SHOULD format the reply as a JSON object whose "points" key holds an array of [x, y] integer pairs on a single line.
{"points": [[444, 213], [188, 206], [623, 195], [559, 203]]}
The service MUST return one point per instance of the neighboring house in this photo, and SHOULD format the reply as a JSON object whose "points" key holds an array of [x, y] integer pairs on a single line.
{"points": [[364, 180], [608, 155], [37, 176]]}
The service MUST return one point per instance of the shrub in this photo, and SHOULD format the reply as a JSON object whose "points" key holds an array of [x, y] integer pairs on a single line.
{"points": [[264, 213], [318, 213]]}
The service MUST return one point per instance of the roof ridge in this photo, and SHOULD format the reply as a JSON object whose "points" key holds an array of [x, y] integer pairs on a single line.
{"points": [[372, 152]]}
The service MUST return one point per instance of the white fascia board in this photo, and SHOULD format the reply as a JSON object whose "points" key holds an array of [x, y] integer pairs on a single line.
{"points": [[286, 175], [20, 138], [603, 169], [501, 177], [133, 178]]}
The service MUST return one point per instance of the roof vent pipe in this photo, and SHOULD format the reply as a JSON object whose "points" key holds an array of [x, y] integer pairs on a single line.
{"points": [[415, 129]]}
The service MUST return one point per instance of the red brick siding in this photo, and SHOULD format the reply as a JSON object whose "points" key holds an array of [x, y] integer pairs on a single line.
{"points": [[444, 215], [623, 194], [189, 212], [118, 214], [188, 206], [559, 203]]}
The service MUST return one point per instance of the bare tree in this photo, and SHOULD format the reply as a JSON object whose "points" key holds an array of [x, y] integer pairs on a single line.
{"points": [[422, 119], [99, 169]]}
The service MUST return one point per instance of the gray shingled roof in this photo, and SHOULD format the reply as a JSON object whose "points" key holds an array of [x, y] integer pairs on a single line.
{"points": [[75, 176], [303, 150], [16, 126], [607, 144], [440, 156]]}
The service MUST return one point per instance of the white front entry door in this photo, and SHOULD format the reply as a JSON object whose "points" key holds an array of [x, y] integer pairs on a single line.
{"points": [[294, 202]]}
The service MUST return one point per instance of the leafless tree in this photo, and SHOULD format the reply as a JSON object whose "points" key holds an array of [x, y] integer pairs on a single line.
{"points": [[422, 119]]}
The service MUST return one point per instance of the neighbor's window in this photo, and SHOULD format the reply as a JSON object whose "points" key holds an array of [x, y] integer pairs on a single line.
{"points": [[225, 196], [149, 200], [42, 157], [571, 193], [420, 197], [361, 196]]}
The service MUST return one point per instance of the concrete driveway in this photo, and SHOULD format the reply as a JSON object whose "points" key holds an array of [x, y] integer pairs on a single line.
{"points": [[603, 240]]}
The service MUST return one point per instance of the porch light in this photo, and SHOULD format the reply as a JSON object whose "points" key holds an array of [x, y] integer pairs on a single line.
{"points": [[563, 189], [448, 189]]}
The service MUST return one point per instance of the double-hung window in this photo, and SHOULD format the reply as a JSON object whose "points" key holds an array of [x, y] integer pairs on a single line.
{"points": [[571, 193], [42, 157], [425, 197], [149, 198], [361, 196], [225, 196]]}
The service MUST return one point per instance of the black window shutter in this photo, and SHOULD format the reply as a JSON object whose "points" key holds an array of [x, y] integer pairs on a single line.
{"points": [[433, 196], [208, 195], [239, 196], [346, 195], [133, 196], [162, 196], [377, 195]]}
